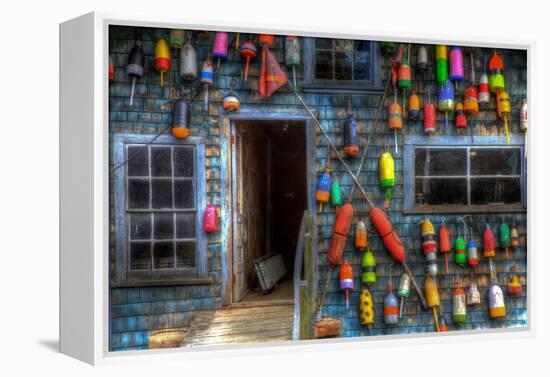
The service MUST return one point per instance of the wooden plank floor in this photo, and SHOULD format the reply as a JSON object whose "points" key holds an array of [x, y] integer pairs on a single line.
{"points": [[241, 325]]}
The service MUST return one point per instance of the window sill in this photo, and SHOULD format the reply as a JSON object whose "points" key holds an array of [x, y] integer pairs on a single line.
{"points": [[165, 282], [427, 209], [341, 88]]}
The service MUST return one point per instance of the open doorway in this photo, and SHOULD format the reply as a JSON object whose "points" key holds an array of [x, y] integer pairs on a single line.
{"points": [[270, 186]]}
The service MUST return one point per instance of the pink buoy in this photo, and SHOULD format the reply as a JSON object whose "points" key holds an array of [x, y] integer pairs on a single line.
{"points": [[221, 46]]}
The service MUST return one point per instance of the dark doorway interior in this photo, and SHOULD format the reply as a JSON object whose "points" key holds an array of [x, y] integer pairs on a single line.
{"points": [[272, 195]]}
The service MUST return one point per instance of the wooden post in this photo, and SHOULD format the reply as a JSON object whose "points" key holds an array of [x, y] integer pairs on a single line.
{"points": [[309, 273]]}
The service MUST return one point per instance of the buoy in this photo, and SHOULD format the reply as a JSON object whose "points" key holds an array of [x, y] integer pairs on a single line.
{"points": [[514, 286], [496, 73], [135, 67], [432, 298], [422, 59], [404, 72], [488, 242], [445, 244], [473, 297], [395, 63], [460, 251], [497, 307], [505, 238], [456, 64], [473, 256], [188, 61], [180, 119], [346, 279], [351, 147], [207, 79], [366, 308], [386, 170], [523, 117], [360, 236], [484, 94], [335, 195], [248, 52], [395, 118], [504, 110], [441, 64], [414, 106], [162, 58], [292, 55], [514, 237], [389, 236], [391, 308], [231, 102], [443, 327], [210, 221], [368, 265], [266, 39], [111, 69], [177, 38], [460, 118], [220, 46], [340, 234], [471, 105], [403, 290], [429, 116], [446, 100], [460, 314], [323, 189], [387, 48], [429, 246]]}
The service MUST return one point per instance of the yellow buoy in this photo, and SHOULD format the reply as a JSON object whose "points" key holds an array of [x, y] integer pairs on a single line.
{"points": [[162, 58], [366, 307]]}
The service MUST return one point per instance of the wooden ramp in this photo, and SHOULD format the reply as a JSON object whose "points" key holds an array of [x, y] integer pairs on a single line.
{"points": [[241, 325]]}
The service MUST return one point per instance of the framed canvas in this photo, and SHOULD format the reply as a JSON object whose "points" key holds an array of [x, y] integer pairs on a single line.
{"points": [[226, 187]]}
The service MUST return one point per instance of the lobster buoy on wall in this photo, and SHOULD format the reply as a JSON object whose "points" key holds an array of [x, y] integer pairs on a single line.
{"points": [[429, 246], [432, 298], [473, 255], [514, 286], [471, 105], [162, 59], [505, 238], [266, 39], [366, 308], [460, 118], [443, 327], [429, 116], [514, 237], [496, 73], [391, 308], [445, 244], [497, 307], [188, 62], [323, 189], [422, 59], [248, 52], [446, 102], [389, 236], [403, 290], [360, 236], [504, 110], [414, 106], [177, 38], [460, 314], [483, 87], [207, 79], [441, 64], [488, 242], [395, 118], [340, 234], [346, 279], [456, 63], [210, 221], [523, 117], [387, 48], [335, 195], [460, 251], [181, 116], [351, 147], [231, 102], [473, 297], [386, 167], [292, 55], [220, 47], [135, 68], [368, 265]]}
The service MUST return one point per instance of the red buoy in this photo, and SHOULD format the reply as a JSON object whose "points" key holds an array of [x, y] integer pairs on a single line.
{"points": [[340, 234], [445, 244], [210, 221], [389, 236]]}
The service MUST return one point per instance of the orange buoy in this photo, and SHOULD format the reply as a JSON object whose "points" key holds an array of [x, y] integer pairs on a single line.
{"points": [[340, 234]]}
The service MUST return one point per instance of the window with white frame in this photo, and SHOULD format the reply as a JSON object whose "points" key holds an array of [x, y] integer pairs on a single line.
{"points": [[160, 195], [453, 177]]}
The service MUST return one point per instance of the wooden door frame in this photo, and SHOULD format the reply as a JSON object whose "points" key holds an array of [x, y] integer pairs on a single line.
{"points": [[227, 124]]}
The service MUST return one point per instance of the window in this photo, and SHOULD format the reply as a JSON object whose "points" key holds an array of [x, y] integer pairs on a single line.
{"points": [[159, 199], [443, 177], [341, 64]]}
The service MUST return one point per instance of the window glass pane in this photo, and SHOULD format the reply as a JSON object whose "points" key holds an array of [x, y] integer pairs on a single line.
{"points": [[140, 256], [495, 190], [184, 194], [140, 226], [161, 162], [343, 65], [435, 161], [164, 226], [163, 255], [323, 65], [343, 44], [138, 193], [185, 225], [440, 191], [361, 68], [495, 161], [138, 161], [186, 254], [184, 161], [162, 193], [324, 43]]}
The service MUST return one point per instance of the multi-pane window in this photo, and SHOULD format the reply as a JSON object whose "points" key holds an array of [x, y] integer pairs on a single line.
{"points": [[159, 218], [456, 176], [340, 64]]}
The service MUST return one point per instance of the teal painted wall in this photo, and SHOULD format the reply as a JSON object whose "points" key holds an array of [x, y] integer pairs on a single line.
{"points": [[135, 312]]}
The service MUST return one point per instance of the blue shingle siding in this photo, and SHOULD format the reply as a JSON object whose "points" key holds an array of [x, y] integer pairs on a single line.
{"points": [[135, 312]]}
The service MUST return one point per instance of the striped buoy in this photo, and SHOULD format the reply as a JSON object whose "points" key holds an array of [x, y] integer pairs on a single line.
{"points": [[429, 246], [162, 59]]}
